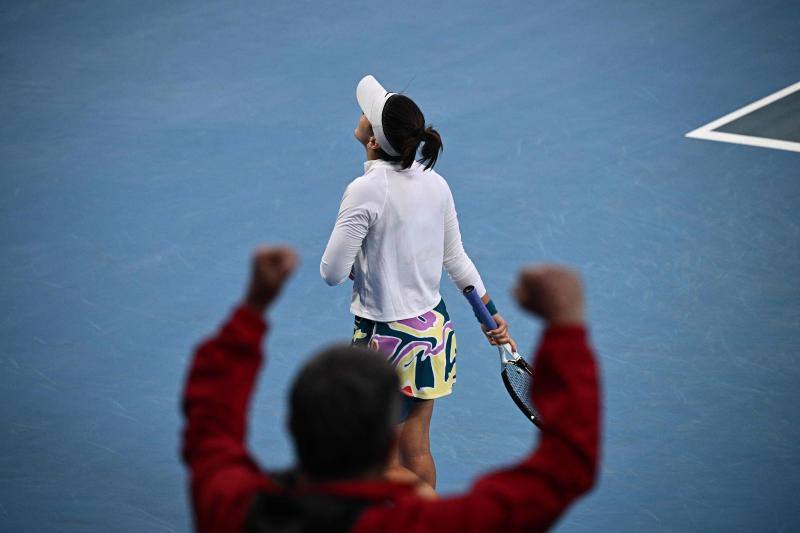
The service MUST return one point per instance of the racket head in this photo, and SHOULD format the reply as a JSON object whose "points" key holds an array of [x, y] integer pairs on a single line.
{"points": [[518, 379]]}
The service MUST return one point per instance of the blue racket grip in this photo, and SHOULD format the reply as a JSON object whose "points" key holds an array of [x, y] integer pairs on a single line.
{"points": [[479, 307]]}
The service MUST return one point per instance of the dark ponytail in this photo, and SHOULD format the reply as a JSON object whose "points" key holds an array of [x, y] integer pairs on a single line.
{"points": [[433, 146], [404, 127]]}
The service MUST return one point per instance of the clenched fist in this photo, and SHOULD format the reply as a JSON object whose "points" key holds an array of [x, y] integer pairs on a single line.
{"points": [[271, 266], [551, 292]]}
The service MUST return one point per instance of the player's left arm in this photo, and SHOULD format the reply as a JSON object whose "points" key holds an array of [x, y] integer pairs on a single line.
{"points": [[224, 478], [362, 204]]}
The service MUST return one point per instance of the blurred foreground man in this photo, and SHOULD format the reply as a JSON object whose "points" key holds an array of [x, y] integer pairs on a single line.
{"points": [[343, 408]]}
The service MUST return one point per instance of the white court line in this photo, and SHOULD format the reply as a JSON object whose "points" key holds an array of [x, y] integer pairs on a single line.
{"points": [[707, 132]]}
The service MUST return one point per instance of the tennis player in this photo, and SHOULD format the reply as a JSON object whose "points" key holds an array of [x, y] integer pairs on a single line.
{"points": [[396, 228]]}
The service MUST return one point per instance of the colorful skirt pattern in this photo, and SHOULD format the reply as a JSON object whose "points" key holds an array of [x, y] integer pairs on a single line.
{"points": [[422, 349]]}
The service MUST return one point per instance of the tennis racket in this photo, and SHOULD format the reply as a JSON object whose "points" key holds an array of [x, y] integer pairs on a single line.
{"points": [[514, 370]]}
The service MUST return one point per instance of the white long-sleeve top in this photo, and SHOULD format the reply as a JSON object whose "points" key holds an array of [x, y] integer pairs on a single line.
{"points": [[395, 230]]}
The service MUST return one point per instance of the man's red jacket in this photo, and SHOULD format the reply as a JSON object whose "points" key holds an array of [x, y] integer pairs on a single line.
{"points": [[528, 496]]}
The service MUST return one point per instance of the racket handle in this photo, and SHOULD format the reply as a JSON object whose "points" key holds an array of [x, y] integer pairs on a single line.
{"points": [[479, 307]]}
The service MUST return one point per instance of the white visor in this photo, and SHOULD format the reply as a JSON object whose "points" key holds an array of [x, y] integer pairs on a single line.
{"points": [[371, 98]]}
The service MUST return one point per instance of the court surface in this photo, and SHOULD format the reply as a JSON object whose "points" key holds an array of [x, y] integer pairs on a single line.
{"points": [[146, 147]]}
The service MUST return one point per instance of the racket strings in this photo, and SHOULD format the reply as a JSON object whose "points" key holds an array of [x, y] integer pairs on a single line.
{"points": [[519, 382]]}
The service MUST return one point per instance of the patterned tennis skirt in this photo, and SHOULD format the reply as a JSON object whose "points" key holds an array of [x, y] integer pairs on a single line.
{"points": [[422, 349]]}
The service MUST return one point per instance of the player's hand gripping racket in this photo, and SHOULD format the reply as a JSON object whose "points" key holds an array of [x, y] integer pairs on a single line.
{"points": [[515, 371]]}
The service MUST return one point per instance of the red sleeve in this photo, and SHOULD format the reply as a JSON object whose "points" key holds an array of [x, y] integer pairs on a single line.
{"points": [[224, 478], [532, 495]]}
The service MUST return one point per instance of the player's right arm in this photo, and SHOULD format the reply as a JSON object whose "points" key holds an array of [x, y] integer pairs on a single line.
{"points": [[459, 266], [462, 270], [533, 494]]}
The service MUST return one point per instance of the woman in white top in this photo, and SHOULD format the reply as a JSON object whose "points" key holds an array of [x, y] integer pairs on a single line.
{"points": [[396, 228]]}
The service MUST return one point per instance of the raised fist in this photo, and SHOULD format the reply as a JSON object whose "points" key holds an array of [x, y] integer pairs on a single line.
{"points": [[551, 292], [271, 266]]}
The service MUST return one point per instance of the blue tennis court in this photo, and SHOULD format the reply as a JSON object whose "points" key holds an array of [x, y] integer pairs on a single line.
{"points": [[147, 147]]}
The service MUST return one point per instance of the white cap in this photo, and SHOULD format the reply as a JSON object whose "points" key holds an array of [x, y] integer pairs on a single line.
{"points": [[371, 98]]}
